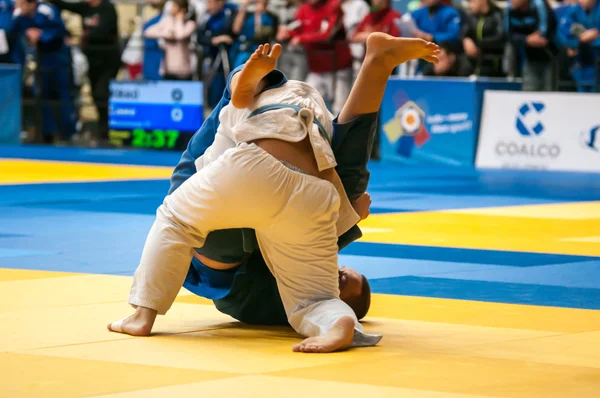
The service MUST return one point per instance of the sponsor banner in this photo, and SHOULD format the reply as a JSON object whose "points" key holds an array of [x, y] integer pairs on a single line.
{"points": [[548, 131], [433, 120]]}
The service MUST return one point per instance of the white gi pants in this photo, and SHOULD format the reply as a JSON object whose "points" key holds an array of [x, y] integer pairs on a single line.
{"points": [[294, 216]]}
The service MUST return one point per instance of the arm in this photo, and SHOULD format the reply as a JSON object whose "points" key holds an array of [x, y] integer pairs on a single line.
{"points": [[77, 8], [184, 31], [452, 32], [564, 30], [156, 31], [334, 24], [540, 6], [53, 25], [103, 30], [223, 141], [240, 18]]}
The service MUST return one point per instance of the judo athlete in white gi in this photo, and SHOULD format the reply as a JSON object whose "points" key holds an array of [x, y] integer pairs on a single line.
{"points": [[282, 160]]}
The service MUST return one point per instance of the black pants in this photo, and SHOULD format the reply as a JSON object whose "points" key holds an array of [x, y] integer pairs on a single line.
{"points": [[103, 69], [169, 76]]}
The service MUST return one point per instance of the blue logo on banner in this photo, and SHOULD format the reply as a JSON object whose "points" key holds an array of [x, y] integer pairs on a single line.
{"points": [[591, 139], [525, 129]]}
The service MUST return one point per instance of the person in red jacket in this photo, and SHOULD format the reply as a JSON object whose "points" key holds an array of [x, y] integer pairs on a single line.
{"points": [[382, 18], [320, 30]]}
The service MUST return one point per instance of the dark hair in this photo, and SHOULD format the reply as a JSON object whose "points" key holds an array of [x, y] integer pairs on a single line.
{"points": [[183, 4], [361, 303]]}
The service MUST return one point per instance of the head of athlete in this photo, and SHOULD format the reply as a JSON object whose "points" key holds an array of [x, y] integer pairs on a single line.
{"points": [[355, 291]]}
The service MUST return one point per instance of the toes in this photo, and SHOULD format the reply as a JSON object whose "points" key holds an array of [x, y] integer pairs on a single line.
{"points": [[255, 55], [432, 59], [116, 326], [276, 52], [266, 49]]}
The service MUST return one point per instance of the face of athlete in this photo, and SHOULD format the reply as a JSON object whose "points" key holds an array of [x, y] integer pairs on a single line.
{"points": [[350, 283]]}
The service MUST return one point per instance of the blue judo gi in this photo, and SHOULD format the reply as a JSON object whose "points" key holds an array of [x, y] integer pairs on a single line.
{"points": [[249, 292]]}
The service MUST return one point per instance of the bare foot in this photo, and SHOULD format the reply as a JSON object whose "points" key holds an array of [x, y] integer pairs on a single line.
{"points": [[338, 338], [393, 51], [260, 64], [138, 324]]}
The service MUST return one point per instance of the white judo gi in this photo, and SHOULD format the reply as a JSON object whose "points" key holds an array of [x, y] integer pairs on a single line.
{"points": [[297, 217]]}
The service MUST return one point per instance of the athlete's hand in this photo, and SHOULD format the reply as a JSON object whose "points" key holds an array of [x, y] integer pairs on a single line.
{"points": [[362, 206]]}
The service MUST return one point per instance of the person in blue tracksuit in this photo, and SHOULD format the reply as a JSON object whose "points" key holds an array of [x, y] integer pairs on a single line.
{"points": [[531, 28], [43, 27], [580, 28], [252, 29], [153, 54], [215, 36], [437, 22]]}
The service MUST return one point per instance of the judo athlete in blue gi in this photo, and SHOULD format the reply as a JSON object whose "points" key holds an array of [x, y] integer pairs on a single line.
{"points": [[290, 210], [42, 25], [580, 30]]}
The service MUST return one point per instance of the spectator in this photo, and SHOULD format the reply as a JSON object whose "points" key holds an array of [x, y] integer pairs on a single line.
{"points": [[293, 59], [581, 29], [252, 29], [321, 32], [484, 40], [354, 12], [383, 18], [11, 48], [531, 29], [100, 44], [42, 26], [176, 30], [215, 37], [153, 54], [437, 22], [452, 63]]}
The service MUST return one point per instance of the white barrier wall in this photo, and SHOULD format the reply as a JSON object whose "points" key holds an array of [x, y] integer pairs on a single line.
{"points": [[553, 131]]}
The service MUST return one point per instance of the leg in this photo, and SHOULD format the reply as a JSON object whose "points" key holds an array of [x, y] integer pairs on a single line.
{"points": [[384, 53], [67, 108], [48, 85], [207, 201], [304, 263]]}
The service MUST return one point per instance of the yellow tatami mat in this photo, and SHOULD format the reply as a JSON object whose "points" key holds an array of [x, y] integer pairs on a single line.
{"points": [[17, 171], [54, 343], [572, 228]]}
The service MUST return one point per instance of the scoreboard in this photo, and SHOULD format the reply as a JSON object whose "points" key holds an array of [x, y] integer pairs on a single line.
{"points": [[154, 114]]}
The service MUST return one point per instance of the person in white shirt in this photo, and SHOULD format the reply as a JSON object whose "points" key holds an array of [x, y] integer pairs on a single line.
{"points": [[273, 146], [354, 12]]}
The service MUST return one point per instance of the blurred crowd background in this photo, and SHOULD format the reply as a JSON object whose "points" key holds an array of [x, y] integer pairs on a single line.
{"points": [[69, 51]]}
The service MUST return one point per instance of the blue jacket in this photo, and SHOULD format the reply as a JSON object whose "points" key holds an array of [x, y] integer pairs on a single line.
{"points": [[440, 21], [520, 23], [51, 47], [578, 17], [215, 25]]}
